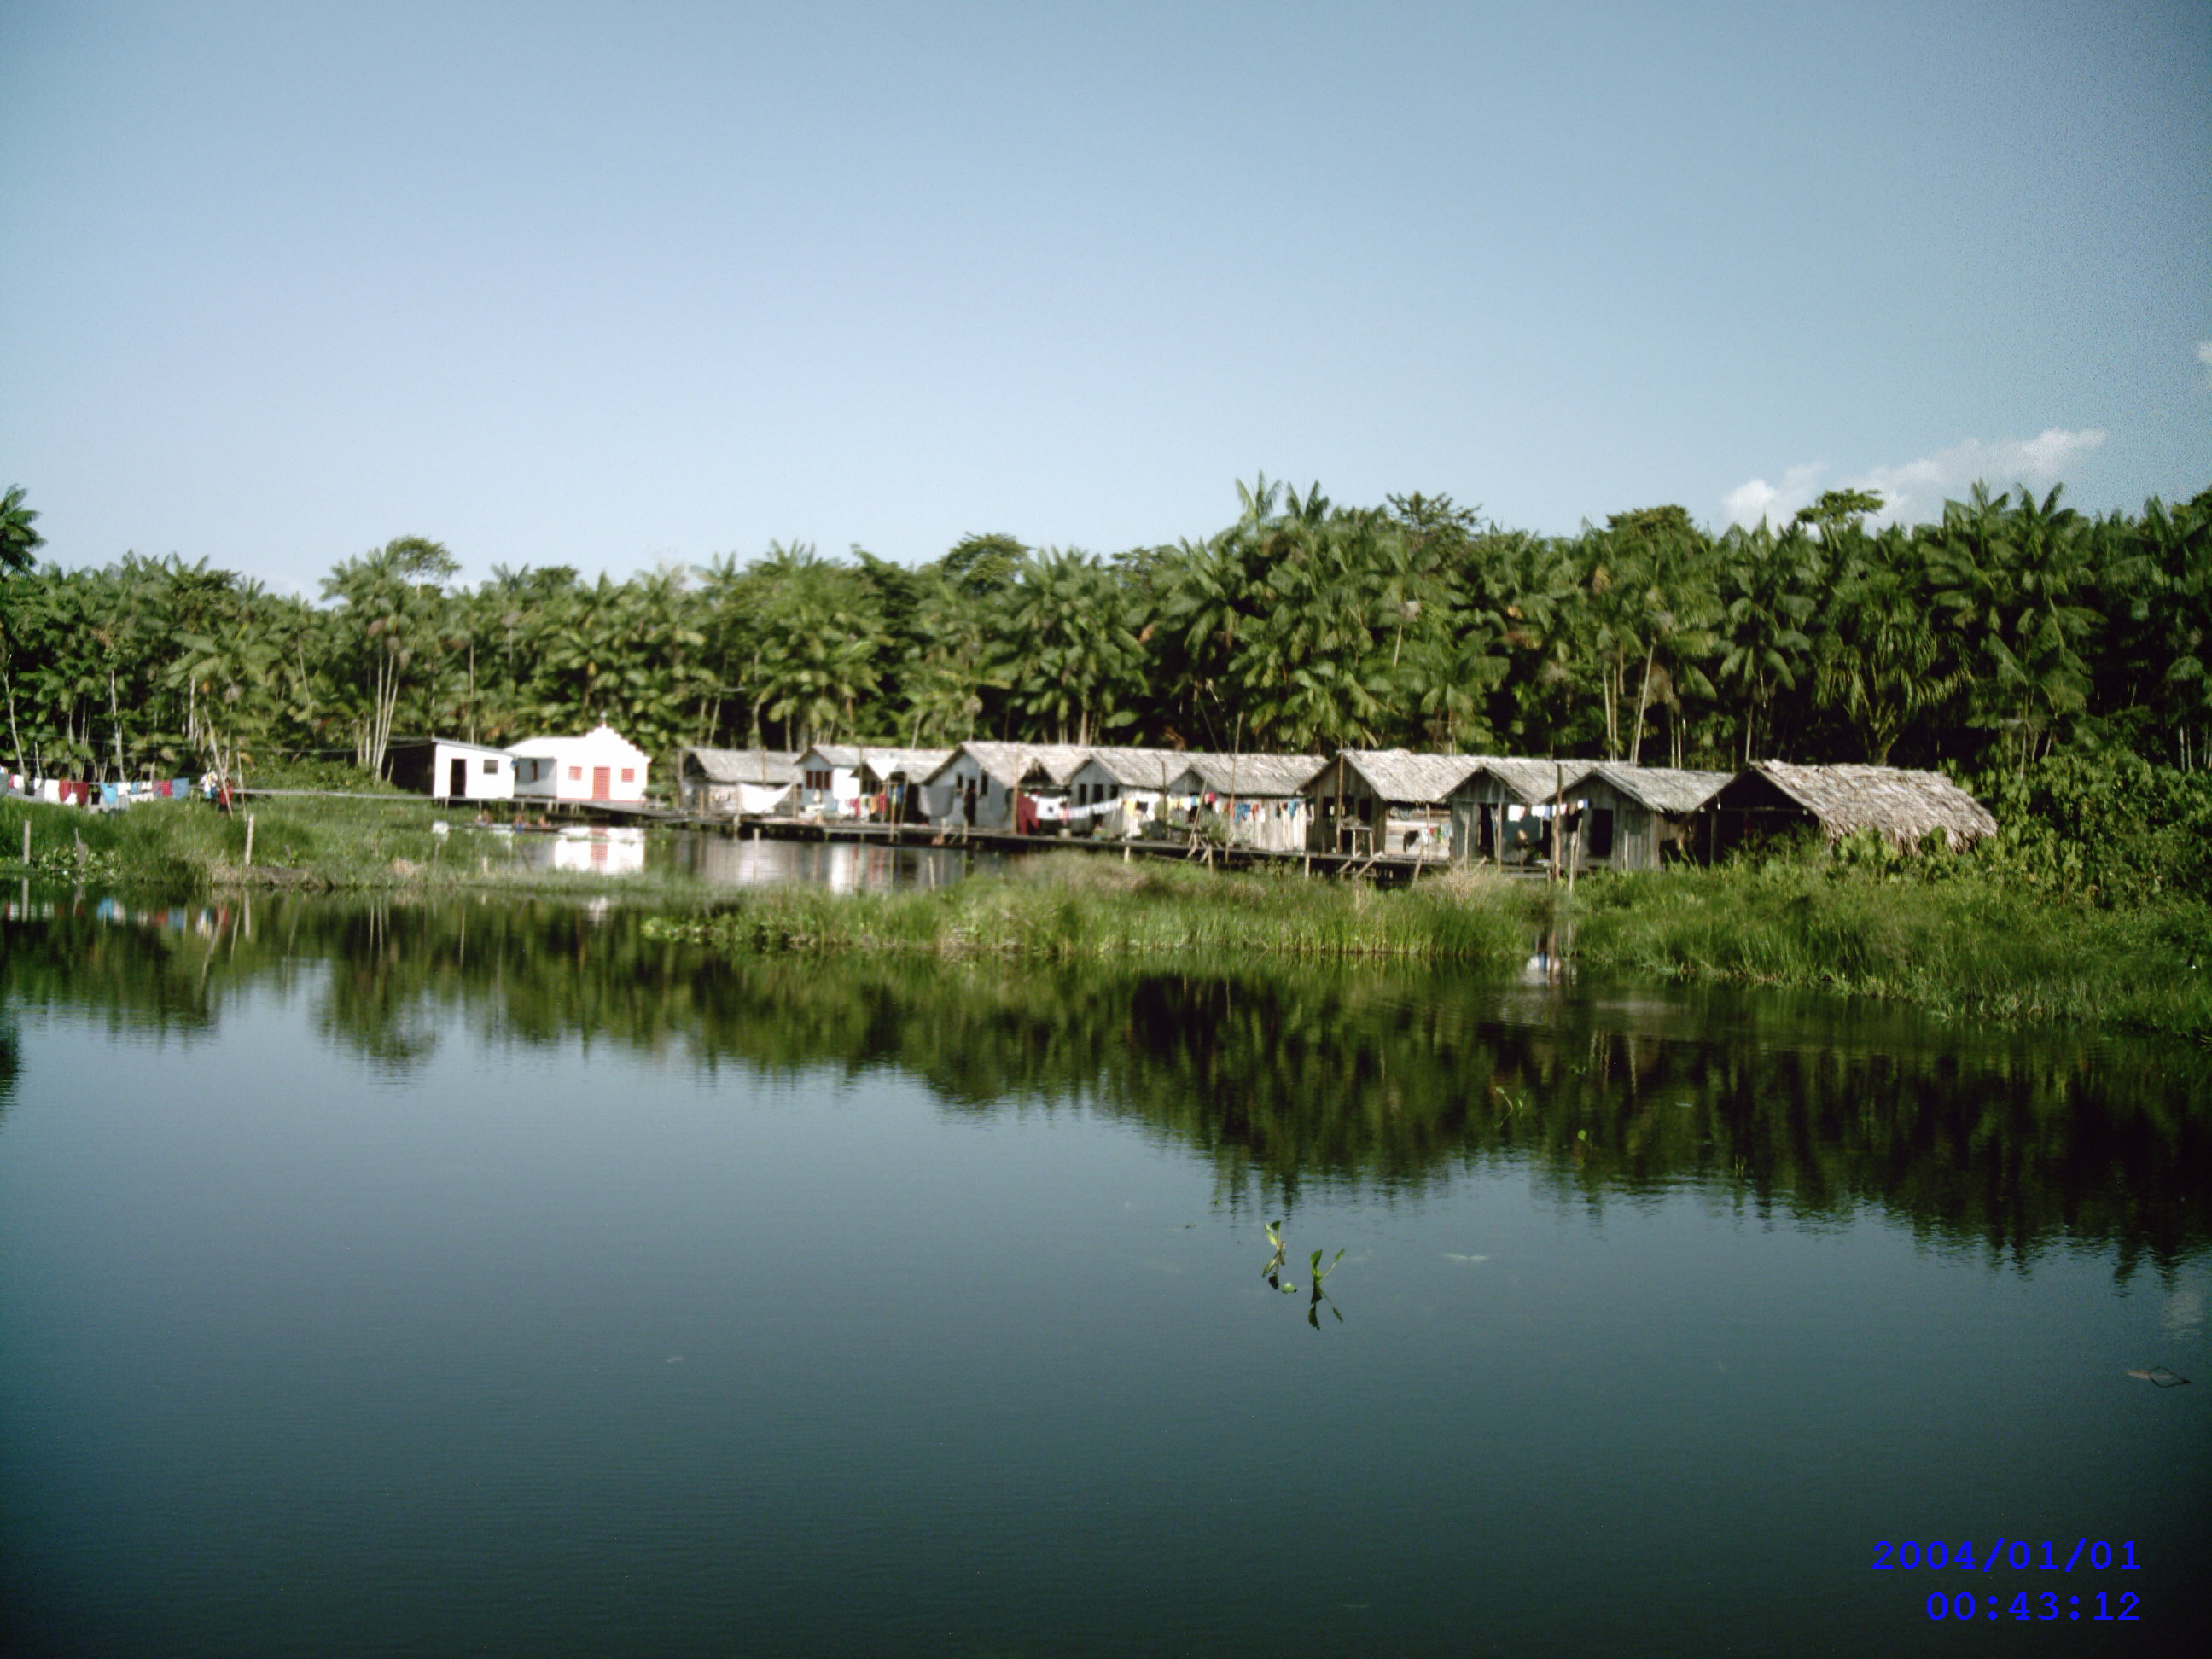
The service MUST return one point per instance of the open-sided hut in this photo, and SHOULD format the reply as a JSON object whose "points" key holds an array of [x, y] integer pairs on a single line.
{"points": [[1384, 800], [895, 777], [715, 782], [1117, 789], [1502, 809], [1005, 786], [1903, 808], [1642, 818], [1259, 798]]}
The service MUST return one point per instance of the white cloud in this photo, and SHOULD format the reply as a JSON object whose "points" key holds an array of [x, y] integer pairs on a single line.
{"points": [[2205, 353], [1917, 489]]}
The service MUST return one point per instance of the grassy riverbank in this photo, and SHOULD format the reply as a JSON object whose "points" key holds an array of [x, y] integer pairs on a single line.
{"points": [[1969, 946], [1973, 946], [1075, 906], [374, 842], [1965, 940]]}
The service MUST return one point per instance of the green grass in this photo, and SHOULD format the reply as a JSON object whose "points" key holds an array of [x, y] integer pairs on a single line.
{"points": [[1075, 906], [1973, 946], [378, 842]]}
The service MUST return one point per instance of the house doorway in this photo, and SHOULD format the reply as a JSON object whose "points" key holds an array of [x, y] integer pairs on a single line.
{"points": [[457, 780], [600, 777]]}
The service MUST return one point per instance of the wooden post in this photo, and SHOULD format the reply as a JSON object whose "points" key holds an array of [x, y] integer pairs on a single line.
{"points": [[249, 843], [27, 838], [1559, 796], [1575, 857]]}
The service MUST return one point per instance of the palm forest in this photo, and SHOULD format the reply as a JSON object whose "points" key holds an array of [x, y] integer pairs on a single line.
{"points": [[2013, 629]]}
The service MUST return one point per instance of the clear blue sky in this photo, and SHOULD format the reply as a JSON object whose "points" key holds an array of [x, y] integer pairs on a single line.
{"points": [[612, 285]]}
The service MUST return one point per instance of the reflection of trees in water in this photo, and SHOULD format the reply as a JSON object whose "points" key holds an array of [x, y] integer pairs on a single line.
{"points": [[1284, 1076]]}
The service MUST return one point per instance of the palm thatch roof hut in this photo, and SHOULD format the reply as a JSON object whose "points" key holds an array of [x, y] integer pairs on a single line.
{"points": [[1903, 807], [1384, 800], [1502, 809], [1641, 817]]}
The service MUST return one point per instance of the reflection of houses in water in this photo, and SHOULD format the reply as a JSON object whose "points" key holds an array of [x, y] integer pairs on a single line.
{"points": [[840, 867], [597, 850]]}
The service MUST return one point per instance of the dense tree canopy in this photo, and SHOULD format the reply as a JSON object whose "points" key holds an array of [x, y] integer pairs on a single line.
{"points": [[2012, 627]]}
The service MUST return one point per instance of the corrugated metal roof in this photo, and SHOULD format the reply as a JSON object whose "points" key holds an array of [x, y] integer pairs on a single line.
{"points": [[744, 765], [1663, 789], [1902, 805], [1008, 763], [1252, 774]]}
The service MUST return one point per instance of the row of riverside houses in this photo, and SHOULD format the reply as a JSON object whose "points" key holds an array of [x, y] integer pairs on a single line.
{"points": [[1486, 808]]}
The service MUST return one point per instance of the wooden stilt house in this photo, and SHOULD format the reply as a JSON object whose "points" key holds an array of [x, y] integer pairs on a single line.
{"points": [[1367, 801], [1643, 817], [1504, 808]]}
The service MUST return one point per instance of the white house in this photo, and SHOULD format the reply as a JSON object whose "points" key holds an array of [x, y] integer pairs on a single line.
{"points": [[829, 780], [445, 768], [979, 785], [601, 765], [1117, 789]]}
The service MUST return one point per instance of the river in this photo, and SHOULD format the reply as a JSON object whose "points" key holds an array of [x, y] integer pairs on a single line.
{"points": [[386, 1278]]}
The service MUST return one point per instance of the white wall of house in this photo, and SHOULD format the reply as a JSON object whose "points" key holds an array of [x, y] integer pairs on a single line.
{"points": [[828, 785], [601, 765], [948, 790], [483, 773]]}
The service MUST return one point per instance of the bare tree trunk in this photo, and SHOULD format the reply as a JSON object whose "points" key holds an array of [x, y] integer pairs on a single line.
{"points": [[1643, 701]]}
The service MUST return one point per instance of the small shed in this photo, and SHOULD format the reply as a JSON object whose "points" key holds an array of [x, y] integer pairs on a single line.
{"points": [[1115, 790], [829, 782], [1502, 811], [445, 768], [895, 779], [738, 782], [1260, 799], [1384, 800], [600, 765], [1643, 818], [1903, 807], [978, 785]]}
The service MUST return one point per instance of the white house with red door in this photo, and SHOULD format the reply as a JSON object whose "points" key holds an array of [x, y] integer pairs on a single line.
{"points": [[601, 765]]}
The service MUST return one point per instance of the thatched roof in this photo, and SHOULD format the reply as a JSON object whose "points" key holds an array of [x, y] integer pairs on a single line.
{"points": [[1011, 763], [742, 765], [1528, 780], [1140, 769], [911, 764], [1663, 789], [1261, 776], [1902, 806], [1401, 776]]}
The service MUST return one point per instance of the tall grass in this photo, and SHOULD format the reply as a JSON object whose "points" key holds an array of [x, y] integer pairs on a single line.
{"points": [[1973, 946], [370, 843], [1073, 906]]}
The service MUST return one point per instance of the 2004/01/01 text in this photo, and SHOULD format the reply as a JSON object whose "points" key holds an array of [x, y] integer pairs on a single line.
{"points": [[2018, 1553]]}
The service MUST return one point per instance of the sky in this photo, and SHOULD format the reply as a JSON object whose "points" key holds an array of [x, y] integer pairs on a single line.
{"points": [[625, 285]]}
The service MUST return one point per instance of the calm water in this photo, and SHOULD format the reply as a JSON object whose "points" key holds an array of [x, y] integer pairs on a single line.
{"points": [[491, 1278], [735, 861]]}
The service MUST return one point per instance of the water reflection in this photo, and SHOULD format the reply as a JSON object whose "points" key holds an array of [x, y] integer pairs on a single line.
{"points": [[1287, 1079], [841, 866]]}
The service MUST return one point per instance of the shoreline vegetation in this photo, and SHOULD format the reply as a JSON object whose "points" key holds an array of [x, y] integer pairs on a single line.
{"points": [[2102, 922]]}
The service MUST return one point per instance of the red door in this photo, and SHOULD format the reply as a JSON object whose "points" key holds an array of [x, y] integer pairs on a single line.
{"points": [[600, 779]]}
